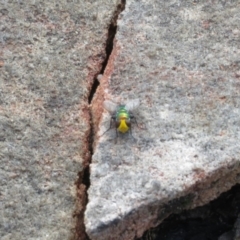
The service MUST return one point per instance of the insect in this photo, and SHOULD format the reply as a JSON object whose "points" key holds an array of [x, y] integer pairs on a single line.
{"points": [[121, 115]]}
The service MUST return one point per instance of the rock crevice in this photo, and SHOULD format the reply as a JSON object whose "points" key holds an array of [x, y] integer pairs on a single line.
{"points": [[178, 60]]}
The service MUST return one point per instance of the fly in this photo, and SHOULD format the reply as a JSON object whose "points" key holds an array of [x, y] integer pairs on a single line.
{"points": [[121, 115]]}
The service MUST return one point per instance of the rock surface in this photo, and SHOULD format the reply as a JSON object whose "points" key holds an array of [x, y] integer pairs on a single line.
{"points": [[215, 220], [181, 59], [50, 53]]}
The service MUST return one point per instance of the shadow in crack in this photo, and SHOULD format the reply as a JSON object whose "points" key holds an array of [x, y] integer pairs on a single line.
{"points": [[208, 222]]}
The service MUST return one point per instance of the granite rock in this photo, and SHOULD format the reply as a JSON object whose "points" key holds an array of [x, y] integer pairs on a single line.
{"points": [[181, 59], [50, 53]]}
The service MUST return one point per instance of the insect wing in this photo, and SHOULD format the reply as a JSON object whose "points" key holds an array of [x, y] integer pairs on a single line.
{"points": [[110, 106], [132, 104]]}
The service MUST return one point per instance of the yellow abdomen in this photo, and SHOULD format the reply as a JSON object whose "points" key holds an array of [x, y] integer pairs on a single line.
{"points": [[123, 127]]}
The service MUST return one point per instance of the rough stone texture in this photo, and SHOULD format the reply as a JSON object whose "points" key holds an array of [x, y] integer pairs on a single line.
{"points": [[50, 53], [181, 59], [216, 220]]}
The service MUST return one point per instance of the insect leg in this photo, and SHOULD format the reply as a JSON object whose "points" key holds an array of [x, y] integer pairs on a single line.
{"points": [[134, 119], [116, 137]]}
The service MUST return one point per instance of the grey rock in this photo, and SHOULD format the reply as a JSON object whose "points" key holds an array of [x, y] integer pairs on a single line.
{"points": [[181, 59], [50, 53]]}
